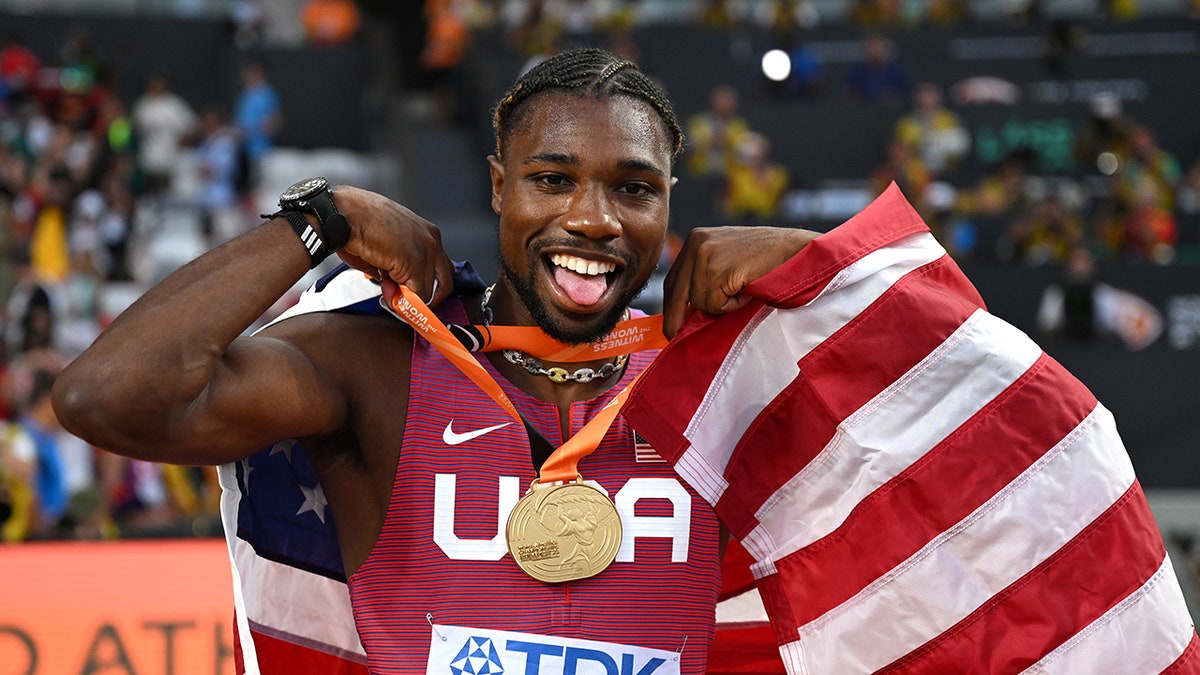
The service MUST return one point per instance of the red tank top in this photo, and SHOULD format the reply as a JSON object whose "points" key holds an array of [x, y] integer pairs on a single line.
{"points": [[441, 557]]}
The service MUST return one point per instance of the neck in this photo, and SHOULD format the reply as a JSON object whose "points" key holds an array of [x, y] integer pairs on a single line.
{"points": [[566, 382]]}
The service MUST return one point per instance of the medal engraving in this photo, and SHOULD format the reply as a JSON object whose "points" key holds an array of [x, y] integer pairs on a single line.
{"points": [[564, 533]]}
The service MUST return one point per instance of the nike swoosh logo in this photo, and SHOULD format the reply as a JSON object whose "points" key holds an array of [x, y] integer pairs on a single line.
{"points": [[452, 438]]}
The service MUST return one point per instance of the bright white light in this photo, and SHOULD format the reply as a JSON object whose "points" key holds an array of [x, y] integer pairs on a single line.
{"points": [[1108, 163], [776, 65]]}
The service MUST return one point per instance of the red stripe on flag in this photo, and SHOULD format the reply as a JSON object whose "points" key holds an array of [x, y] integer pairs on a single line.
{"points": [[885, 221], [749, 650], [1188, 662], [661, 413], [1108, 560], [280, 657], [759, 475], [943, 487], [691, 370]]}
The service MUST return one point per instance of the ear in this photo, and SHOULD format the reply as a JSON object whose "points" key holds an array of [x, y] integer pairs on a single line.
{"points": [[497, 171]]}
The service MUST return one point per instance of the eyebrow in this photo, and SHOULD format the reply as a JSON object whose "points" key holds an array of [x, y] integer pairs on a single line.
{"points": [[561, 158]]}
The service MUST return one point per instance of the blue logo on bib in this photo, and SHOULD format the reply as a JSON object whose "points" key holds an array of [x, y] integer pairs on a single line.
{"points": [[477, 657]]}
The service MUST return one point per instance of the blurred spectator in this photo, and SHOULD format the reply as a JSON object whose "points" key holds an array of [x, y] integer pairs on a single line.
{"points": [[112, 131], [80, 322], [447, 37], [905, 168], [162, 122], [1102, 140], [258, 116], [947, 12], [1002, 190], [956, 231], [1062, 39], [115, 226], [1120, 10], [18, 70], [1145, 229], [1045, 235], [248, 22], [880, 77], [34, 440], [537, 34], [935, 133], [218, 162], [754, 185], [329, 23], [49, 253], [16, 489], [875, 12], [716, 14], [714, 133], [784, 17], [1082, 309], [1149, 167]]}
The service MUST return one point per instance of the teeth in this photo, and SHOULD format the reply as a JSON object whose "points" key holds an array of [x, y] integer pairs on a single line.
{"points": [[581, 266]]}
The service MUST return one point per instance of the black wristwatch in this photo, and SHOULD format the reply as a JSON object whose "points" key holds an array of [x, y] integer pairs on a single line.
{"points": [[315, 196]]}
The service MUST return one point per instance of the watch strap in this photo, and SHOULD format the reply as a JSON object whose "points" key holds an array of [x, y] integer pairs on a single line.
{"points": [[334, 230], [317, 251]]}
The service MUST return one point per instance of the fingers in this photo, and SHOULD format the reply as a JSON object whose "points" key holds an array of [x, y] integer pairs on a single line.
{"points": [[715, 265], [398, 247], [676, 289]]}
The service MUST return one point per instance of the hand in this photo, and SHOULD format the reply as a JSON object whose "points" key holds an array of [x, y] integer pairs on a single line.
{"points": [[716, 264], [394, 245]]}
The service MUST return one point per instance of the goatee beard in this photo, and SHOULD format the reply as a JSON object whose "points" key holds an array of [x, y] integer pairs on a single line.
{"points": [[570, 332]]}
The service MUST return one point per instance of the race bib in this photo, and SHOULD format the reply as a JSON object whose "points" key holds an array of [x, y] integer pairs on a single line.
{"points": [[455, 650]]}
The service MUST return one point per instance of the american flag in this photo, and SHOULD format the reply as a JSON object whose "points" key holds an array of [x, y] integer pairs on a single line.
{"points": [[292, 606], [920, 487]]}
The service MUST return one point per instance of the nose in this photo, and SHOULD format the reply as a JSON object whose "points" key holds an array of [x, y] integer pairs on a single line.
{"points": [[591, 214]]}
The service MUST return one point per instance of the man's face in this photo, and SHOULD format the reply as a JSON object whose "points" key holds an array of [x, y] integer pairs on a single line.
{"points": [[582, 195]]}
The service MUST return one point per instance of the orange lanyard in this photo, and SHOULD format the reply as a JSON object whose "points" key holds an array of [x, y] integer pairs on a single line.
{"points": [[629, 336]]}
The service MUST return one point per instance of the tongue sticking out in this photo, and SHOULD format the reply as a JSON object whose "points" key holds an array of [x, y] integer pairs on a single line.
{"points": [[583, 289]]}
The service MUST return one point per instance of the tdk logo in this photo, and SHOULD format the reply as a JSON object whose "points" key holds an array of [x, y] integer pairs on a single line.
{"points": [[479, 656]]}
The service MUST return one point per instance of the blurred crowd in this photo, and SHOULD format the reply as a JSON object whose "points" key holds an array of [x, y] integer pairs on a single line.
{"points": [[1115, 191], [85, 173]]}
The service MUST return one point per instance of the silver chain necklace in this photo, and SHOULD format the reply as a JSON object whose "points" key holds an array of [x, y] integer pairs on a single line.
{"points": [[555, 374]]}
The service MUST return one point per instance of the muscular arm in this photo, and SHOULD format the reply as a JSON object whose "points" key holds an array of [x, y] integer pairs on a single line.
{"points": [[171, 379]]}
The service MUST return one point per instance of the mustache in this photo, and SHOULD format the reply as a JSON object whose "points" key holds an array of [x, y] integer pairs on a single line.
{"points": [[588, 246]]}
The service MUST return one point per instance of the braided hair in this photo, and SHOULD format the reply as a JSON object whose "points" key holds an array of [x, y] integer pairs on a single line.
{"points": [[587, 71]]}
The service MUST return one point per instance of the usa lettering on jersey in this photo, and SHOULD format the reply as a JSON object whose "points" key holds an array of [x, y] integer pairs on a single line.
{"points": [[677, 527]]}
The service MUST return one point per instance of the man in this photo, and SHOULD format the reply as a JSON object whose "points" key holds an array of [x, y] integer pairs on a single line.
{"points": [[581, 182]]}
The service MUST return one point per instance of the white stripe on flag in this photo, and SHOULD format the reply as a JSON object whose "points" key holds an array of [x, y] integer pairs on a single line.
{"points": [[1144, 633], [738, 394], [1006, 537], [741, 609], [892, 431], [297, 604], [231, 493]]}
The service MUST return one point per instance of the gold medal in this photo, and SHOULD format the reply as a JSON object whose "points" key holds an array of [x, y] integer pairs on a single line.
{"points": [[564, 532]]}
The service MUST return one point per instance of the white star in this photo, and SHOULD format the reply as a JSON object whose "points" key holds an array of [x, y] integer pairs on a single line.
{"points": [[285, 447], [314, 500]]}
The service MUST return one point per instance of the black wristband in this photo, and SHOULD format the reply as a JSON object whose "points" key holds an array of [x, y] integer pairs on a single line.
{"points": [[317, 252]]}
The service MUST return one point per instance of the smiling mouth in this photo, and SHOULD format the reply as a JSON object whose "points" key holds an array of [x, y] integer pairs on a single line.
{"points": [[583, 281]]}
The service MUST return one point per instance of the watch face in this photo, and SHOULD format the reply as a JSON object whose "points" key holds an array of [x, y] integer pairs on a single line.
{"points": [[303, 189]]}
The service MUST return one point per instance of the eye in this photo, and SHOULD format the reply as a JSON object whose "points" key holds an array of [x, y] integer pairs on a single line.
{"points": [[552, 180], [637, 190]]}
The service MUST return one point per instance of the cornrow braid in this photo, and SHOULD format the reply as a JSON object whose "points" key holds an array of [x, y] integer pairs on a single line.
{"points": [[585, 71]]}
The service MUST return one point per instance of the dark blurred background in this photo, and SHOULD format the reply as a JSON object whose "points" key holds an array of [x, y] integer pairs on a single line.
{"points": [[1052, 146]]}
